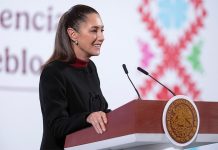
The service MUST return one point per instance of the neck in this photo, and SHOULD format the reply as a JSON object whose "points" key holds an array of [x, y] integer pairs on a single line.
{"points": [[84, 59], [80, 54]]}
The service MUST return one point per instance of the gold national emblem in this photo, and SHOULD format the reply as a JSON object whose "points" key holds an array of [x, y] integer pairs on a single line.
{"points": [[181, 120]]}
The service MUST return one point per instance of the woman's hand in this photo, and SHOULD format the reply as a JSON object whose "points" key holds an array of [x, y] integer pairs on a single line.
{"points": [[98, 121]]}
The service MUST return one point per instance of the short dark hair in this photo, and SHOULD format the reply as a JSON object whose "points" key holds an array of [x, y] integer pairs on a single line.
{"points": [[72, 18]]}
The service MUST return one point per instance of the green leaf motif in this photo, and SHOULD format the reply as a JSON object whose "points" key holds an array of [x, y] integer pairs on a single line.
{"points": [[194, 57]]}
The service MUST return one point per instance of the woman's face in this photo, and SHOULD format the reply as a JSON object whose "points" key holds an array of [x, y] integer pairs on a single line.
{"points": [[90, 37]]}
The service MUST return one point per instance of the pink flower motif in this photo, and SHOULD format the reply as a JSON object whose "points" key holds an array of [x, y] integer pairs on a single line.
{"points": [[147, 55]]}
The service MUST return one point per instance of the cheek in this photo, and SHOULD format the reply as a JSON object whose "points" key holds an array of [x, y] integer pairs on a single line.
{"points": [[88, 37], [89, 40], [86, 42]]}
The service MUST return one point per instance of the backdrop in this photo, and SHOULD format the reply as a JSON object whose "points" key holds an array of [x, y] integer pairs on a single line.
{"points": [[174, 40]]}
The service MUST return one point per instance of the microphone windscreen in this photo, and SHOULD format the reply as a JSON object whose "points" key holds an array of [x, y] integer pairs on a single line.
{"points": [[142, 70], [125, 69]]}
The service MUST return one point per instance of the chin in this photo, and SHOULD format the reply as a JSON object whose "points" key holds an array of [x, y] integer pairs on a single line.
{"points": [[96, 53]]}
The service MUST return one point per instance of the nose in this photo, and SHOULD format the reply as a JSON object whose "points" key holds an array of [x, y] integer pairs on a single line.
{"points": [[100, 36]]}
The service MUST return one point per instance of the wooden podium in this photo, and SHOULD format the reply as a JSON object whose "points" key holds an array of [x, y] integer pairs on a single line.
{"points": [[138, 125]]}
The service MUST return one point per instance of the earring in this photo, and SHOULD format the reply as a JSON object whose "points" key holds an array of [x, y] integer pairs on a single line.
{"points": [[76, 42]]}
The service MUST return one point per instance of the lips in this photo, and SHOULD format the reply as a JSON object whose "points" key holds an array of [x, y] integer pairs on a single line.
{"points": [[97, 45]]}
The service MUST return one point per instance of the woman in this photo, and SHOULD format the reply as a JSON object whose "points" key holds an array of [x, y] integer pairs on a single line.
{"points": [[69, 88]]}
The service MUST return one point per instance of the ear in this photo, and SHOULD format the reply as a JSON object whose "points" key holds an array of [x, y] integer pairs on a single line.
{"points": [[72, 34]]}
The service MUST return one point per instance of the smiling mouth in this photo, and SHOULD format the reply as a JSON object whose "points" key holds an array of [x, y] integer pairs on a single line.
{"points": [[97, 45]]}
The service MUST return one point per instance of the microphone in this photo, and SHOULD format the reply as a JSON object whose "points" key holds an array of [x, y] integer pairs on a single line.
{"points": [[126, 71], [146, 73]]}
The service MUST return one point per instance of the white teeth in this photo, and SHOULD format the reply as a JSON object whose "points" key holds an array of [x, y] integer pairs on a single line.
{"points": [[97, 45]]}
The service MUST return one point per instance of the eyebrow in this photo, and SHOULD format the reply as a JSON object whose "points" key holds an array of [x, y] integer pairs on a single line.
{"points": [[100, 26]]}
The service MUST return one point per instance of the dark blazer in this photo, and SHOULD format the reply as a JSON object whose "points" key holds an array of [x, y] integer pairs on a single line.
{"points": [[67, 96]]}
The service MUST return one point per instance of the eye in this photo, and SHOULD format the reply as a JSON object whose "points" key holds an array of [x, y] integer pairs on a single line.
{"points": [[94, 30], [102, 30]]}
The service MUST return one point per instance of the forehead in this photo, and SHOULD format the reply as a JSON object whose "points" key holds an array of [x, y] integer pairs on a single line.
{"points": [[92, 20]]}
